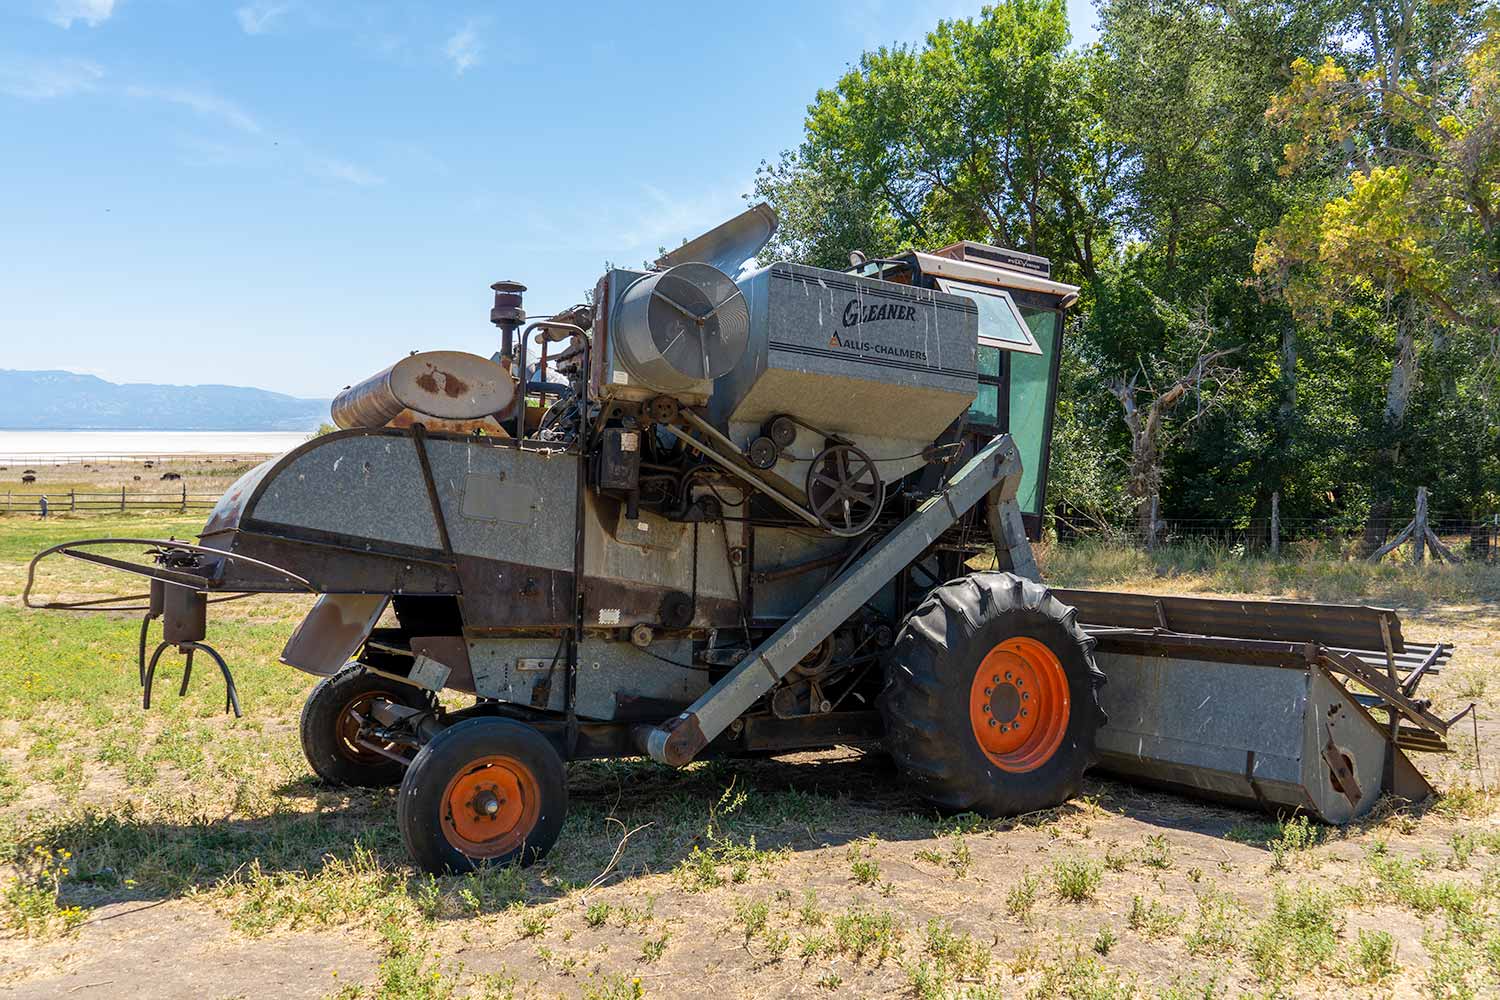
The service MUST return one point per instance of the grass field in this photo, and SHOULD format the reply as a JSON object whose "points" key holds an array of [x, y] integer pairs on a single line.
{"points": [[181, 852]]}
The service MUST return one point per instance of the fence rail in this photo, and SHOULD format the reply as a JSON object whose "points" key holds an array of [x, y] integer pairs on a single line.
{"points": [[79, 501], [53, 459], [1463, 536]]}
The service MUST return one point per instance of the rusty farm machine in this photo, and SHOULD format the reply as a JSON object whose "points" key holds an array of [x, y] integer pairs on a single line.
{"points": [[733, 508]]}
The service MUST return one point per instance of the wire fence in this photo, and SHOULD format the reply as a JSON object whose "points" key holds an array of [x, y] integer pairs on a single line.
{"points": [[1467, 536], [121, 500]]}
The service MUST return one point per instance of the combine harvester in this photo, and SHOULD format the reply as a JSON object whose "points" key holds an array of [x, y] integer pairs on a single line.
{"points": [[744, 522]]}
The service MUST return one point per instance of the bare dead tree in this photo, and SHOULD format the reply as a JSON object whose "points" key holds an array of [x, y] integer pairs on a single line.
{"points": [[1146, 409]]}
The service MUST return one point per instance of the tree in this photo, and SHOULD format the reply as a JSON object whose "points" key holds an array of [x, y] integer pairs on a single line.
{"points": [[1394, 147], [989, 131]]}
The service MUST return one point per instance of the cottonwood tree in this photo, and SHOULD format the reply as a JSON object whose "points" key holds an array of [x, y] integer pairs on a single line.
{"points": [[1395, 145], [1150, 394]]}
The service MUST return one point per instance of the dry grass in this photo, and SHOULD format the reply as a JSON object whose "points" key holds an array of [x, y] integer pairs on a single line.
{"points": [[815, 876]]}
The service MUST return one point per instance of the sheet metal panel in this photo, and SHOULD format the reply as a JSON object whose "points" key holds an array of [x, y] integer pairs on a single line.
{"points": [[1338, 625]]}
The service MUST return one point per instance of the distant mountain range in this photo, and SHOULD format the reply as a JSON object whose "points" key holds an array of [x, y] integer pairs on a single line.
{"points": [[69, 401]]}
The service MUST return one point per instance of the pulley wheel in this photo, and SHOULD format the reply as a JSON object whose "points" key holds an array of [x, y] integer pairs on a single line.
{"points": [[763, 453], [844, 489], [663, 409], [782, 431]]}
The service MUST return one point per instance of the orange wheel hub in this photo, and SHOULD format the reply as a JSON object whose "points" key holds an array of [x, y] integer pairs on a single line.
{"points": [[1019, 705], [491, 806]]}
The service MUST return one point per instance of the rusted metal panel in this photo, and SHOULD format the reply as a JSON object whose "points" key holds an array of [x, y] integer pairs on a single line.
{"points": [[1337, 625], [184, 615], [336, 563], [500, 595], [612, 603], [335, 627]]}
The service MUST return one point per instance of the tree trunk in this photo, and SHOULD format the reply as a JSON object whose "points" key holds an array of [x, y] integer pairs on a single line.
{"points": [[1397, 395], [1288, 373]]}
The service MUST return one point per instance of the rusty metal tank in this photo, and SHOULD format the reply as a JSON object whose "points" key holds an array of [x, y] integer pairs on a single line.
{"points": [[451, 385]]}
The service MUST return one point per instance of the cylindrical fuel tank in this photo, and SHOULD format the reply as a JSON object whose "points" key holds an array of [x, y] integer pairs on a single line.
{"points": [[679, 329], [452, 385]]}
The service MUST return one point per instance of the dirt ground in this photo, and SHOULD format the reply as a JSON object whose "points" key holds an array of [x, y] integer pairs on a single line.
{"points": [[181, 853]]}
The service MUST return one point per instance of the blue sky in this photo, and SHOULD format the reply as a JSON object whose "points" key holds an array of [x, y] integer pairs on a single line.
{"points": [[293, 193]]}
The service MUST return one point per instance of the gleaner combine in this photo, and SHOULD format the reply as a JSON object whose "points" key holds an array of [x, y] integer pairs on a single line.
{"points": [[737, 509]]}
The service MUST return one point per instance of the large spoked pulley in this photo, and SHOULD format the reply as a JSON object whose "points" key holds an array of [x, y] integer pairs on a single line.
{"points": [[844, 490]]}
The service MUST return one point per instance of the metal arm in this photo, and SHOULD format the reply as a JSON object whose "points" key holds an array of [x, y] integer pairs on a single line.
{"points": [[678, 740]]}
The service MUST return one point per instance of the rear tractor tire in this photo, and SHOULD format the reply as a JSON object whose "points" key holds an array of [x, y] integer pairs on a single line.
{"points": [[331, 721], [487, 791], [991, 697]]}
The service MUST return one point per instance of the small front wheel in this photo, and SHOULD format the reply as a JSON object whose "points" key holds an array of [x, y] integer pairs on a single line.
{"points": [[482, 792], [336, 710]]}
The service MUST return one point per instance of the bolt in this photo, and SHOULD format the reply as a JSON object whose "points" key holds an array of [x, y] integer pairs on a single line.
{"points": [[988, 692], [1024, 713], [986, 710], [996, 678], [1019, 682], [992, 722], [1026, 696], [1007, 675]]}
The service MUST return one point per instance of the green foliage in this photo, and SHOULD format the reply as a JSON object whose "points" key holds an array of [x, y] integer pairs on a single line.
{"points": [[1075, 880], [1308, 187]]}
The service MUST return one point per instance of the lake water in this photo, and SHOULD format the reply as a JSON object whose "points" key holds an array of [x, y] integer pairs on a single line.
{"points": [[41, 446]]}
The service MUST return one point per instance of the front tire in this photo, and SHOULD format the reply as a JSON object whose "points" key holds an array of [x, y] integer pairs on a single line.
{"points": [[487, 791], [991, 703], [331, 721]]}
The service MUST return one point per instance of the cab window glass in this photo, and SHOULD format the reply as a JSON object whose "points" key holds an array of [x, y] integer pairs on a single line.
{"points": [[1030, 383], [1001, 322]]}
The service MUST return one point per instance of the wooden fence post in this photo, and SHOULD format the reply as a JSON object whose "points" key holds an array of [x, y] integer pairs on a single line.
{"points": [[184, 496], [122, 499], [1276, 523], [1152, 528], [72, 502]]}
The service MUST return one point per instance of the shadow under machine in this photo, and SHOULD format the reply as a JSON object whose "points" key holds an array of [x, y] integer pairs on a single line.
{"points": [[732, 509]]}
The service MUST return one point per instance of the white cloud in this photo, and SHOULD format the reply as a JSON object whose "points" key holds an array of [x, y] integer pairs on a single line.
{"points": [[464, 48], [255, 18], [209, 105], [36, 80], [349, 173], [91, 12]]}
